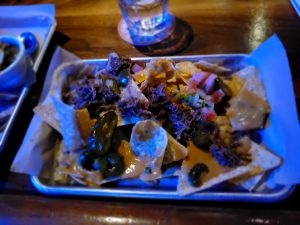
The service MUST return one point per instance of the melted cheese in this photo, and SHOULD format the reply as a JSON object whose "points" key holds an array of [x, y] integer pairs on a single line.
{"points": [[174, 151], [148, 142], [133, 166], [84, 122], [196, 155]]}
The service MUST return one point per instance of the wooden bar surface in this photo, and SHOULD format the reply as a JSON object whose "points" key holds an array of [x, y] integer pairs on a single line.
{"points": [[219, 26]]}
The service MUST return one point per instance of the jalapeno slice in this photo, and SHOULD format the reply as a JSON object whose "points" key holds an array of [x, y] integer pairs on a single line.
{"points": [[100, 140]]}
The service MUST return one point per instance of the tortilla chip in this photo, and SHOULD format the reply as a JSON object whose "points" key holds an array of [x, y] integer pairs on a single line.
{"points": [[210, 67], [131, 91], [157, 71], [246, 72], [266, 185], [246, 78], [172, 89], [186, 67], [182, 77], [253, 84], [160, 76], [165, 64], [247, 110], [262, 160], [67, 167], [68, 122], [55, 112], [174, 151], [134, 167], [48, 113], [60, 168], [172, 79], [140, 76], [235, 83], [248, 183], [148, 142], [249, 105]]}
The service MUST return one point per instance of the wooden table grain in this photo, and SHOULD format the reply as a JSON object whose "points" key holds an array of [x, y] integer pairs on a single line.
{"points": [[219, 26]]}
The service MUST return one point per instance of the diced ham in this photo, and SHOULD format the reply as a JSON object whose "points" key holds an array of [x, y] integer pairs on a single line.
{"points": [[217, 96], [192, 86], [200, 76], [196, 80], [209, 114], [136, 68], [209, 83]]}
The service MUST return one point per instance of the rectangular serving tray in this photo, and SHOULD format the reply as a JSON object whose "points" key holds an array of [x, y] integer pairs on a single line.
{"points": [[43, 47], [166, 188]]}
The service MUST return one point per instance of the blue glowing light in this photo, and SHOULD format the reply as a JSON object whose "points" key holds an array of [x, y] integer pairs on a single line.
{"points": [[123, 80], [30, 42]]}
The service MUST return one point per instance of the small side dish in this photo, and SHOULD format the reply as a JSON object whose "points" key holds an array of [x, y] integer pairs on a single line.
{"points": [[8, 54], [13, 65], [158, 119]]}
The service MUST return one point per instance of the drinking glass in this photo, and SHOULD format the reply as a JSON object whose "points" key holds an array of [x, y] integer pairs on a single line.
{"points": [[148, 21]]}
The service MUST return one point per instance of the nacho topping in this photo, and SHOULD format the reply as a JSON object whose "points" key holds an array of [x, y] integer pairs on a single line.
{"points": [[133, 105], [228, 157], [92, 89], [8, 54], [191, 115], [196, 173], [174, 151], [88, 162], [134, 167], [210, 67], [197, 155], [182, 118], [111, 165], [101, 134], [84, 122], [148, 139], [116, 64], [148, 142]]}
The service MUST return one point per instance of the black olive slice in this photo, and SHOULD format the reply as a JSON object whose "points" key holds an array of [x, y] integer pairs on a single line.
{"points": [[196, 174], [87, 161], [111, 165]]}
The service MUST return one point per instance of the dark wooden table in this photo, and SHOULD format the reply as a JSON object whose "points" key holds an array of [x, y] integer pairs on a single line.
{"points": [[219, 26]]}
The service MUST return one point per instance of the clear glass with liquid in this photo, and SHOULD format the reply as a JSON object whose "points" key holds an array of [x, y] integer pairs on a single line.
{"points": [[148, 21]]}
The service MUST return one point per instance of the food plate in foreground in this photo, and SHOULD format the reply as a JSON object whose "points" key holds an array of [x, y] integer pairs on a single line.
{"points": [[204, 149]]}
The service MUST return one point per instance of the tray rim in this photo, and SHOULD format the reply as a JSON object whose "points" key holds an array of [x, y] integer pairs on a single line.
{"points": [[177, 57], [25, 90], [126, 192], [161, 195]]}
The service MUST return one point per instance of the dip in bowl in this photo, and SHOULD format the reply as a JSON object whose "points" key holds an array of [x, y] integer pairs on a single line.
{"points": [[12, 63]]}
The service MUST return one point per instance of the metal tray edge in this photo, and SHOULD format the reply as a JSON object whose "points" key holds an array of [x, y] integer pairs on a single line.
{"points": [[166, 195], [176, 57]]}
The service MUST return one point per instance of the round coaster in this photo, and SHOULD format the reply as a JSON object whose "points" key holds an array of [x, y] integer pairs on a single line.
{"points": [[176, 42], [179, 39], [123, 31]]}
